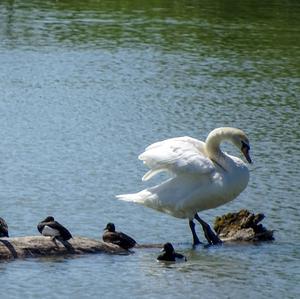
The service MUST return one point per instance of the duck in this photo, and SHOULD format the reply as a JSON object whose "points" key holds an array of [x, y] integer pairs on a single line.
{"points": [[202, 176], [50, 227], [170, 255], [3, 228], [112, 236]]}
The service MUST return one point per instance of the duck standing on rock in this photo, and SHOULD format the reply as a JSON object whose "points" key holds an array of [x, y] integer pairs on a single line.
{"points": [[51, 228], [3, 228], [111, 236], [202, 176], [170, 255]]}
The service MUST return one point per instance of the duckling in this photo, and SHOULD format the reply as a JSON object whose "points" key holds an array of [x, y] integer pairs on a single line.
{"points": [[111, 236], [170, 255], [50, 227], [3, 228]]}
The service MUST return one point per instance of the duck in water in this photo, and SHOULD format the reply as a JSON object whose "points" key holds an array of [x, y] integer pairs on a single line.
{"points": [[169, 254]]}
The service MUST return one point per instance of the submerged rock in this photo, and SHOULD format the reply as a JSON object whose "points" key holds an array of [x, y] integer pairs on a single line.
{"points": [[242, 226]]}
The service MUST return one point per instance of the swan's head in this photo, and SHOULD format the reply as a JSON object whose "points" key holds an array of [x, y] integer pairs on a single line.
{"points": [[234, 135], [241, 141]]}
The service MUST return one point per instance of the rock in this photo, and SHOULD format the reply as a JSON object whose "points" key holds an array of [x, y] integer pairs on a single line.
{"points": [[37, 246], [242, 226]]}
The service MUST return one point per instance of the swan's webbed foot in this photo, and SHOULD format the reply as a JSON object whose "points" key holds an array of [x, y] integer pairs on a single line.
{"points": [[196, 240], [210, 236]]}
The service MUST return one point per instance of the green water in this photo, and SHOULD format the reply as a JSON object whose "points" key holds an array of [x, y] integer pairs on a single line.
{"points": [[85, 86]]}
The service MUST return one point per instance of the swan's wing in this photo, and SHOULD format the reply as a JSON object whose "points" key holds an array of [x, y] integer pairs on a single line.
{"points": [[179, 141], [182, 155]]}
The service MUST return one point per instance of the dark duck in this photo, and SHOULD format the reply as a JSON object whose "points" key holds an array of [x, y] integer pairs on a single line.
{"points": [[169, 254], [3, 228], [111, 236], [50, 227]]}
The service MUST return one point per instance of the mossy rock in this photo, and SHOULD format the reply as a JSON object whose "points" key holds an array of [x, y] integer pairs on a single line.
{"points": [[242, 226]]}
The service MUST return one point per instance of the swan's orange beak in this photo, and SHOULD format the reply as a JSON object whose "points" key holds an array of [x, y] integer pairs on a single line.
{"points": [[245, 151]]}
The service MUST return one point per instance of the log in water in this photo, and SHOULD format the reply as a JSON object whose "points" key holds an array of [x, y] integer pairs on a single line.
{"points": [[38, 246], [232, 227]]}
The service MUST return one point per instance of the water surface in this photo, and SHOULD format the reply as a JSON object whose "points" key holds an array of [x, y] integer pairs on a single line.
{"points": [[86, 86]]}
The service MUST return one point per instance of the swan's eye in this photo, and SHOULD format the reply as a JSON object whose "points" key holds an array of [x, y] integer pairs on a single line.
{"points": [[245, 145]]}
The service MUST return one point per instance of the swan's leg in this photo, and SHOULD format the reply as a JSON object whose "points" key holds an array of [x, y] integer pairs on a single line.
{"points": [[210, 236], [195, 237]]}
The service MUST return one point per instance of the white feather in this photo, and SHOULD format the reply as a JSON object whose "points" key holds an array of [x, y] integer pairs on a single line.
{"points": [[49, 231], [203, 176], [178, 156]]}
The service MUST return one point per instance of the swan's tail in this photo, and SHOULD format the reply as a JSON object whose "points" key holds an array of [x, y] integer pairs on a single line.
{"points": [[139, 197]]}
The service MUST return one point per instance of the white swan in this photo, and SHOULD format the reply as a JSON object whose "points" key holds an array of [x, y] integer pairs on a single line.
{"points": [[203, 176]]}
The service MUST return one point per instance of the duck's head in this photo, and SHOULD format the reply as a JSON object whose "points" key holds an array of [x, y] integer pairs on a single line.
{"points": [[110, 227], [168, 248], [48, 219]]}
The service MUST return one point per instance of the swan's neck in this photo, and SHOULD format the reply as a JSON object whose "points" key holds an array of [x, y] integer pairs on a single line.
{"points": [[213, 142]]}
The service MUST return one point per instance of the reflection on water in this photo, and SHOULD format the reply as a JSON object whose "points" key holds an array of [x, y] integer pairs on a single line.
{"points": [[86, 85], [214, 29]]}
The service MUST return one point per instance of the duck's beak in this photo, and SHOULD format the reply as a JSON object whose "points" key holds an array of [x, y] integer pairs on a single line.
{"points": [[245, 151]]}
